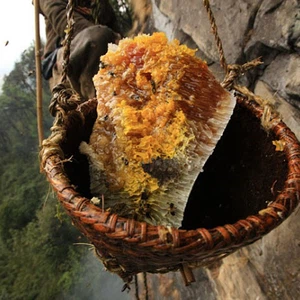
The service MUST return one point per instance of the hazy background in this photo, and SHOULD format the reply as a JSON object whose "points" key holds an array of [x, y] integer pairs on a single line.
{"points": [[17, 32]]}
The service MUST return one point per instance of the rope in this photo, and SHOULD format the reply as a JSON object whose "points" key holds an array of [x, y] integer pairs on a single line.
{"points": [[68, 38], [64, 98], [146, 286], [234, 72], [137, 297], [216, 35]]}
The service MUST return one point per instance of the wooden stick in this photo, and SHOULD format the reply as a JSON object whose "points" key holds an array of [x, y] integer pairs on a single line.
{"points": [[38, 72]]}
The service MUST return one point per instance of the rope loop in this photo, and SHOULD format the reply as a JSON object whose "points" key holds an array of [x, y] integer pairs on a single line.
{"points": [[64, 99], [235, 71]]}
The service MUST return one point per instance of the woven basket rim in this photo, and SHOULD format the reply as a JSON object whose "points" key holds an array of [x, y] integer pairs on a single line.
{"points": [[219, 241]]}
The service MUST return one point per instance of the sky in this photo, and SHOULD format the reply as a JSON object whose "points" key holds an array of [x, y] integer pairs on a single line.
{"points": [[17, 32]]}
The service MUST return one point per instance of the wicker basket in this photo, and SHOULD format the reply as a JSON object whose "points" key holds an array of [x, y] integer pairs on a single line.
{"points": [[246, 190]]}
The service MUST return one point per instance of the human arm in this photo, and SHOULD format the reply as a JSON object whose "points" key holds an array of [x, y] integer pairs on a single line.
{"points": [[55, 13]]}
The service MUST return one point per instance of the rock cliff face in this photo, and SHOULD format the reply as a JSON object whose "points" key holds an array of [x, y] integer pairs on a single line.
{"points": [[269, 268], [248, 29]]}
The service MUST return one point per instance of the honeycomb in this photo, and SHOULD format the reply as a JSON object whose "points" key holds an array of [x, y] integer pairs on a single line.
{"points": [[160, 114]]}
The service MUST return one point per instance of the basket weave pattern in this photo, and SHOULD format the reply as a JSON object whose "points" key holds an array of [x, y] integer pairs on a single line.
{"points": [[127, 247]]}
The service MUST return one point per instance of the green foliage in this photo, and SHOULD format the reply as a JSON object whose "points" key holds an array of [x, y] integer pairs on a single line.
{"points": [[37, 257], [22, 193], [41, 261], [18, 124], [21, 185]]}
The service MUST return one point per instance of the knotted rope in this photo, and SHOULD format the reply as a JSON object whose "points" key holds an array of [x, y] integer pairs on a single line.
{"points": [[64, 98], [234, 71]]}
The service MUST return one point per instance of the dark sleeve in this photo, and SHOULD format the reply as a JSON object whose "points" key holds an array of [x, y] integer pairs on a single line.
{"points": [[108, 17], [55, 12]]}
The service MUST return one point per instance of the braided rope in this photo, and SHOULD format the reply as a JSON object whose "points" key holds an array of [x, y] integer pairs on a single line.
{"points": [[68, 38], [136, 282], [235, 71], [64, 99], [146, 285], [216, 35]]}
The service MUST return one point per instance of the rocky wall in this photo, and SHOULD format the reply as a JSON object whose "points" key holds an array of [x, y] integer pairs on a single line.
{"points": [[270, 29]]}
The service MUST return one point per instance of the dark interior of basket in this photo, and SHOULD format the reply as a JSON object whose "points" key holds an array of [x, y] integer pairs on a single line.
{"points": [[242, 175]]}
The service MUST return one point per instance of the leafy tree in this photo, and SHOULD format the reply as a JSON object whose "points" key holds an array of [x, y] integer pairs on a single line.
{"points": [[21, 185], [37, 256], [17, 107], [41, 260]]}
